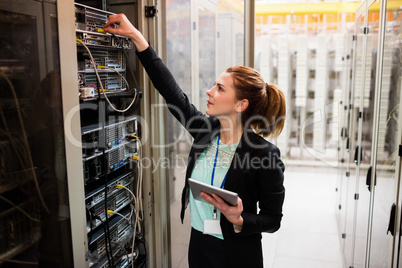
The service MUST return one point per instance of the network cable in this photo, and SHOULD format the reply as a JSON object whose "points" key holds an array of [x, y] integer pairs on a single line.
{"points": [[17, 146], [107, 247], [121, 246], [121, 186], [136, 198], [25, 139], [90, 226], [106, 226], [129, 65], [391, 114], [139, 197], [21, 262], [121, 215], [20, 209]]}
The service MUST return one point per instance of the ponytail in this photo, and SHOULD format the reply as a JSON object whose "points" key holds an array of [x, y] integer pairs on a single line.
{"points": [[266, 111], [275, 113]]}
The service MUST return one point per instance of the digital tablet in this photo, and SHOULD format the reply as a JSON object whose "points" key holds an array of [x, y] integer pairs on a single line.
{"points": [[197, 187]]}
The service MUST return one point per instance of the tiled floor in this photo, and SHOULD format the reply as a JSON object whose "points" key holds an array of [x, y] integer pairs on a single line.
{"points": [[308, 236]]}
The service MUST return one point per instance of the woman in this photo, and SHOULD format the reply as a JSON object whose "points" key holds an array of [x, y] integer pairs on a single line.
{"points": [[229, 152]]}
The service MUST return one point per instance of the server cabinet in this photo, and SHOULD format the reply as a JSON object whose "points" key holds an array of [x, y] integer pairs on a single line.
{"points": [[35, 219], [70, 139], [345, 183], [110, 129], [111, 143], [353, 174], [372, 178], [381, 178]]}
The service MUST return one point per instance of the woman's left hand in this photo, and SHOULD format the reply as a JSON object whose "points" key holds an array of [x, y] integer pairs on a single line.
{"points": [[232, 213]]}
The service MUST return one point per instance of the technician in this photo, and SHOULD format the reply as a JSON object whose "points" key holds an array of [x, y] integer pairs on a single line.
{"points": [[228, 152]]}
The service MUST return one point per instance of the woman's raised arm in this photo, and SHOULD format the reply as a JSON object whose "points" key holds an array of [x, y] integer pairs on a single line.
{"points": [[178, 103], [126, 29]]}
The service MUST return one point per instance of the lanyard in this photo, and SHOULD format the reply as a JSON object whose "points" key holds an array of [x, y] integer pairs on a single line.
{"points": [[213, 171]]}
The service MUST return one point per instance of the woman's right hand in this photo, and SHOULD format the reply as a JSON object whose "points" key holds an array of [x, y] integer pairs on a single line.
{"points": [[125, 28]]}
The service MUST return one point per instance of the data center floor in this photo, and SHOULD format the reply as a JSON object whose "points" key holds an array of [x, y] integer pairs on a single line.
{"points": [[309, 235]]}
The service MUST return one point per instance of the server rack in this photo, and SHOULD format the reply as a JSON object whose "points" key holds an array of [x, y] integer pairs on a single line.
{"points": [[372, 182], [70, 140], [111, 143], [34, 221]]}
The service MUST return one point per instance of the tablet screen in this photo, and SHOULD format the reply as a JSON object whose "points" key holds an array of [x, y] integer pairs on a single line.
{"points": [[197, 187]]}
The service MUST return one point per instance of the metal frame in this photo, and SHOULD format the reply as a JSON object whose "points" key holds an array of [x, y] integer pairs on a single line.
{"points": [[349, 119], [72, 129], [195, 59], [362, 10], [398, 212], [148, 194], [155, 185], [161, 209], [249, 32], [50, 11], [376, 120], [398, 217]]}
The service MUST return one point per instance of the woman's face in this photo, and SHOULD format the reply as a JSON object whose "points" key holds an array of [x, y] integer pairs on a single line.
{"points": [[222, 100]]}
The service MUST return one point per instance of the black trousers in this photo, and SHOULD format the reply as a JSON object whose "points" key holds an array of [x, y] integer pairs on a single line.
{"points": [[206, 251]]}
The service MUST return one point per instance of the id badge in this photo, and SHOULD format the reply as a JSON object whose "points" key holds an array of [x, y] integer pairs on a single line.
{"points": [[212, 227]]}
